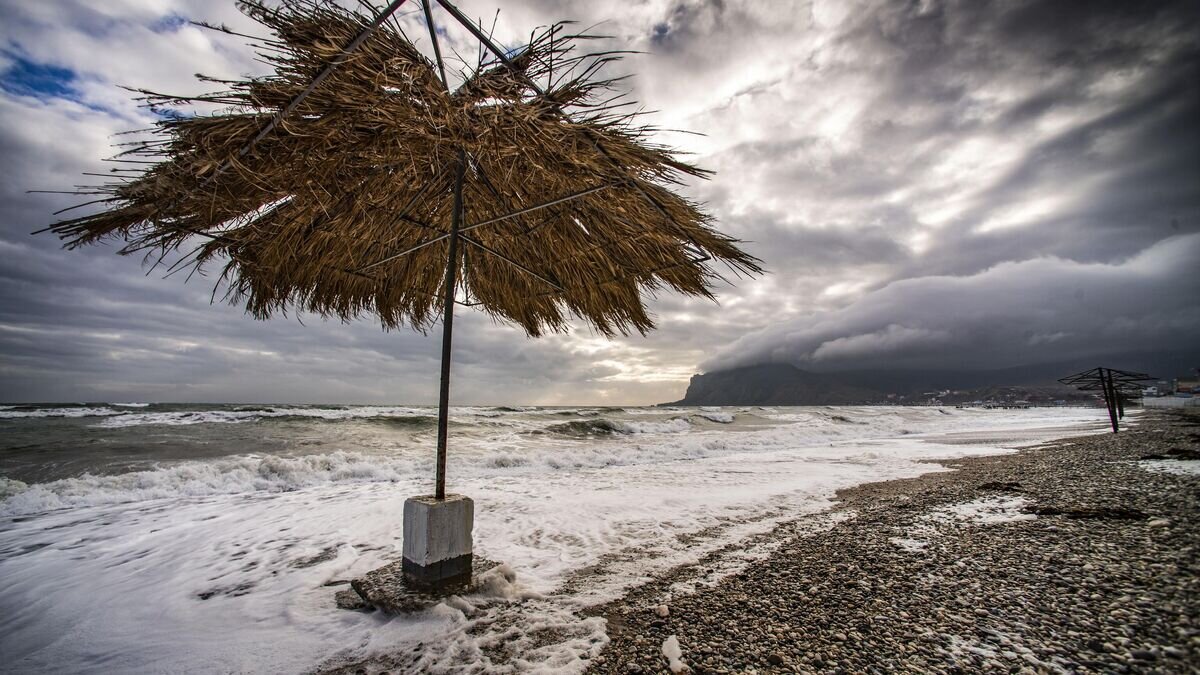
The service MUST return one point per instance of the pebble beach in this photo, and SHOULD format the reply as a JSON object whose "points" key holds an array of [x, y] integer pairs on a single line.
{"points": [[1079, 555]]}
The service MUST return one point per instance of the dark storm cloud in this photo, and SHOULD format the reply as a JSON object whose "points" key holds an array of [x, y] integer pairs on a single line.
{"points": [[1047, 308], [994, 134], [925, 180], [1138, 193]]}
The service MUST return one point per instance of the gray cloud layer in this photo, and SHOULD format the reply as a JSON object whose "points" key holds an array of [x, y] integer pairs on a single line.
{"points": [[998, 155], [929, 182], [1048, 308]]}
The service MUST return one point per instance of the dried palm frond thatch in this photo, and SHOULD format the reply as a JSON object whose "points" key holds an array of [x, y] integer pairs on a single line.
{"points": [[343, 204]]}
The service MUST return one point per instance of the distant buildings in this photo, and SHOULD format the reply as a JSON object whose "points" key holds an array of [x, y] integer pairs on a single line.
{"points": [[1182, 387], [1181, 392], [1187, 387]]}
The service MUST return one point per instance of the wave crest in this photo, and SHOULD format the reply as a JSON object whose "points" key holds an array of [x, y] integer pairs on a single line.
{"points": [[17, 412], [270, 473], [607, 427]]}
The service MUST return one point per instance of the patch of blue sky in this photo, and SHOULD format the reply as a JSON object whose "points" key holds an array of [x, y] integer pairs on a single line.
{"points": [[41, 80], [172, 113], [169, 23], [21, 76]]}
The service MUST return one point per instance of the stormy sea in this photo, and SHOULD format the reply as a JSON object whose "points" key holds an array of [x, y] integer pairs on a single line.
{"points": [[142, 537]]}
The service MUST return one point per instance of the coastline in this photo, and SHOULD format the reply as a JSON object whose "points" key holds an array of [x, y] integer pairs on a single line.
{"points": [[1067, 556]]}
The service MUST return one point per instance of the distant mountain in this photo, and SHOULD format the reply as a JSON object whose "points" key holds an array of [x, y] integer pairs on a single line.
{"points": [[778, 384], [785, 384]]}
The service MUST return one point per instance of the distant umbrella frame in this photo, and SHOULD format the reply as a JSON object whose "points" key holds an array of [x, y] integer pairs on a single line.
{"points": [[326, 185], [1115, 385]]}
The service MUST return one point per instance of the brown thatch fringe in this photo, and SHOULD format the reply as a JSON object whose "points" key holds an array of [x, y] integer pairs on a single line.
{"points": [[343, 209]]}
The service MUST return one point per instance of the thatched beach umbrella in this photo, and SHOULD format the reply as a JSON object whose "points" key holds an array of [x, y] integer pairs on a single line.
{"points": [[356, 181]]}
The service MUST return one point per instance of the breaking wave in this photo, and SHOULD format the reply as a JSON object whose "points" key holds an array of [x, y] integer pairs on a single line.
{"points": [[607, 427], [598, 427], [407, 421], [16, 412], [269, 473], [718, 417], [241, 414]]}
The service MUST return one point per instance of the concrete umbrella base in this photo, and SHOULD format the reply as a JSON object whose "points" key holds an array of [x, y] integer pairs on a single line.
{"points": [[438, 560], [387, 589], [437, 540]]}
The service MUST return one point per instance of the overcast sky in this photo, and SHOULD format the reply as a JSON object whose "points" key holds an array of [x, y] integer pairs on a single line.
{"points": [[930, 184]]}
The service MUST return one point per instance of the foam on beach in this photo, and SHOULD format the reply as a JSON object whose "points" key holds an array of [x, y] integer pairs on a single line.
{"points": [[1181, 467], [993, 510]]}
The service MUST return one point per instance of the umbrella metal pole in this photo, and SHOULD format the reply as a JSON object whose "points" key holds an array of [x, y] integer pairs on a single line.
{"points": [[1109, 395], [448, 327]]}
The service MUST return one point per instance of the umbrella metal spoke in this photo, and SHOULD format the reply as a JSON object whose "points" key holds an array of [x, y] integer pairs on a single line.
{"points": [[703, 258], [437, 50], [503, 57], [487, 182], [490, 221], [543, 205], [346, 52], [278, 118], [487, 249]]}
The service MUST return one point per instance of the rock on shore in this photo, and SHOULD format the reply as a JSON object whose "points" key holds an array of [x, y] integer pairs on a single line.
{"points": [[1076, 556]]}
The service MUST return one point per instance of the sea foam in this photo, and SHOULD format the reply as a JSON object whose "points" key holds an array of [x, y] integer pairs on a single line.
{"points": [[196, 479]]}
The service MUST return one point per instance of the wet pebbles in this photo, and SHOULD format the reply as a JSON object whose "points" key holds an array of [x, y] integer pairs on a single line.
{"points": [[1098, 571]]}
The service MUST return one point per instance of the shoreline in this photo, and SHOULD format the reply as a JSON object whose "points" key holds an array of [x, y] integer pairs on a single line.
{"points": [[1065, 556]]}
